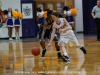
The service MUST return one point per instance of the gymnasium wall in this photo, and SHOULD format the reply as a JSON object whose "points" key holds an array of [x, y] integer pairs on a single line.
{"points": [[5, 5], [28, 24], [88, 21], [84, 21], [27, 28], [79, 17]]}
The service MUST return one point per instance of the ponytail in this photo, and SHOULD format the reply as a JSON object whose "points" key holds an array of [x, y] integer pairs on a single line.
{"points": [[60, 15]]}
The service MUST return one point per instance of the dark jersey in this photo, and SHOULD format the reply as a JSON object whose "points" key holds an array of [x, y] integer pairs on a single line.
{"points": [[48, 25]]}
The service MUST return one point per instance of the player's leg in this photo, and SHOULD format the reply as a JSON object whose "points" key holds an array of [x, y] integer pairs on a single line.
{"points": [[62, 46], [42, 43], [79, 45], [57, 48]]}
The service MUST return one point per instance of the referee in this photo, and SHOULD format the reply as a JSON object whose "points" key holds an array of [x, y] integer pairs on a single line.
{"points": [[96, 15]]}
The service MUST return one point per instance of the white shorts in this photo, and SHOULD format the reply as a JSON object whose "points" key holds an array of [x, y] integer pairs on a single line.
{"points": [[69, 36]]}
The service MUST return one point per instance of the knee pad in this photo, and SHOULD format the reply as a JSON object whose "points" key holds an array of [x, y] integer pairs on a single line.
{"points": [[42, 43]]}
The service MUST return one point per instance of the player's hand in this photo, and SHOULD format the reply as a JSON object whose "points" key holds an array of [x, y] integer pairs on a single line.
{"points": [[94, 17], [61, 30], [49, 46]]}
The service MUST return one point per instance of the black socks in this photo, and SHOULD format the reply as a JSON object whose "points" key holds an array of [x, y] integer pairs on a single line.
{"points": [[43, 52]]}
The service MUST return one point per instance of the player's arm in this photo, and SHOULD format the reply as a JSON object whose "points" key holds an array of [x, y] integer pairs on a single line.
{"points": [[44, 28], [68, 27], [52, 35], [93, 13]]}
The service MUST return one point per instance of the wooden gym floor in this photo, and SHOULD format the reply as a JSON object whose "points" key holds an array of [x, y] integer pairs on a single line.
{"points": [[16, 58]]}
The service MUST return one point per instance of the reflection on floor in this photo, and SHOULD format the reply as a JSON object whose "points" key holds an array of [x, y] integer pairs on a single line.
{"points": [[16, 59]]}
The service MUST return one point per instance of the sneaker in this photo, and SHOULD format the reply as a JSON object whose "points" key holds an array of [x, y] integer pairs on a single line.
{"points": [[16, 38], [60, 57], [83, 49], [66, 58], [10, 39]]}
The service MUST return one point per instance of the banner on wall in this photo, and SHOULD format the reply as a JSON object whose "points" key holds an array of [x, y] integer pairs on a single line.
{"points": [[27, 11]]}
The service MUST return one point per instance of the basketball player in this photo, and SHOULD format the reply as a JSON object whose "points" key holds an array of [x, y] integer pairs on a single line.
{"points": [[46, 32], [66, 34]]}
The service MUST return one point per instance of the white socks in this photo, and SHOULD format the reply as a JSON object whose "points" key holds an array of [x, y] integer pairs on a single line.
{"points": [[64, 51]]}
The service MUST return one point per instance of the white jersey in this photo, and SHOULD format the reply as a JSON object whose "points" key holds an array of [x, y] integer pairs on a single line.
{"points": [[67, 35], [61, 26]]}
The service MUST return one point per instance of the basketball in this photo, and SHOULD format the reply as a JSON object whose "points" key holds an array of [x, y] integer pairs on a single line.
{"points": [[35, 51]]}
